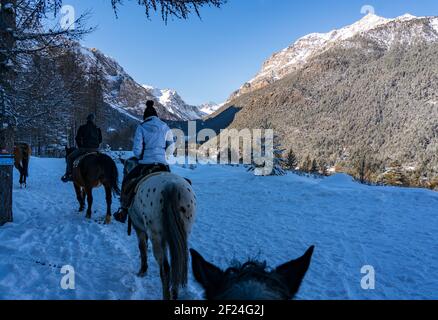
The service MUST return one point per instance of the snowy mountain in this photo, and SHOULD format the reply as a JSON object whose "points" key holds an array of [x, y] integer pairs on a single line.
{"points": [[387, 32], [173, 102], [87, 81], [366, 90], [210, 107], [124, 94]]}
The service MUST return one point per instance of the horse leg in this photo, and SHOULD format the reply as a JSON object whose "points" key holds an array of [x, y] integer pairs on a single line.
{"points": [[84, 195], [108, 195], [89, 192], [80, 196], [25, 171], [161, 257], [143, 247], [174, 294], [21, 170]]}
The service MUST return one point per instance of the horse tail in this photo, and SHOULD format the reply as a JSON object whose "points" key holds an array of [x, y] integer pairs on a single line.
{"points": [[111, 173], [176, 236]]}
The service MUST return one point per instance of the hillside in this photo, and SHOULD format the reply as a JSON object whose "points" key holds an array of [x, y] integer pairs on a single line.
{"points": [[372, 95], [62, 88]]}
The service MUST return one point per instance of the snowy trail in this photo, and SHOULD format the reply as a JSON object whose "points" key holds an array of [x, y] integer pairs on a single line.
{"points": [[240, 216]]}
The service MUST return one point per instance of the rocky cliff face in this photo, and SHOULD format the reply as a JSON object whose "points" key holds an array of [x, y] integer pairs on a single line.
{"points": [[86, 80]]}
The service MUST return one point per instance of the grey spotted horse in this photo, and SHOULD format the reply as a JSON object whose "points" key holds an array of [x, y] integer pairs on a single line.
{"points": [[164, 210]]}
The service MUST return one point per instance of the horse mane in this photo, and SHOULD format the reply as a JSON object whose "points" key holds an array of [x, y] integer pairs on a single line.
{"points": [[257, 271]]}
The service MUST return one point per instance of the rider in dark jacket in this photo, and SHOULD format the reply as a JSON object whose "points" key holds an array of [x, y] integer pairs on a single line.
{"points": [[88, 139]]}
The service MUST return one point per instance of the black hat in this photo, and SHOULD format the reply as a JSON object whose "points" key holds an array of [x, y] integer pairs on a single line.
{"points": [[91, 117], [150, 110]]}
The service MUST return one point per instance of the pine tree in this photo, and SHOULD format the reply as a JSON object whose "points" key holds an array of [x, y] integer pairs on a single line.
{"points": [[314, 167], [277, 163], [307, 165], [323, 169], [362, 170], [292, 161]]}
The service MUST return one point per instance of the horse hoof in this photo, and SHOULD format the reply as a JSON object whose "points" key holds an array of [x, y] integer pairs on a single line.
{"points": [[108, 220], [142, 274]]}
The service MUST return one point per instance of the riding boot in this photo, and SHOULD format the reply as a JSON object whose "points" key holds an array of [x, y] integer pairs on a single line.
{"points": [[121, 215]]}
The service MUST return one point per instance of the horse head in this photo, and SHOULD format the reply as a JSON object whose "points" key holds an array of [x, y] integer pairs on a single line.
{"points": [[252, 280]]}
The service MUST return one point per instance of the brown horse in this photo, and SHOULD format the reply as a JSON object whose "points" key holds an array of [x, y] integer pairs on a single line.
{"points": [[22, 153], [95, 170]]}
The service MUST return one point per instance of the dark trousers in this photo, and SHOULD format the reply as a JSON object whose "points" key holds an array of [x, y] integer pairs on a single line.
{"points": [[131, 180], [74, 155]]}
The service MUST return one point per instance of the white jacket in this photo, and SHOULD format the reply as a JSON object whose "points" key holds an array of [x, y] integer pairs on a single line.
{"points": [[152, 139]]}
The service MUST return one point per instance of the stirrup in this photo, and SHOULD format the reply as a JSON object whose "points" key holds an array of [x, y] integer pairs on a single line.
{"points": [[66, 178]]}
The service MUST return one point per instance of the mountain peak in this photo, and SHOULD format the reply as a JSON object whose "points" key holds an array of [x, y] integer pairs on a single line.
{"points": [[406, 17], [298, 54]]}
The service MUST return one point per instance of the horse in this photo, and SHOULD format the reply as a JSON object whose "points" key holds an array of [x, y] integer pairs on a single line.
{"points": [[22, 153], [92, 171], [164, 210], [251, 280]]}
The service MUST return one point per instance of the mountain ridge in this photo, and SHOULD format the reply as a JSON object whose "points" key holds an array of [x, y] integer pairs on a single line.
{"points": [[373, 95], [298, 53]]}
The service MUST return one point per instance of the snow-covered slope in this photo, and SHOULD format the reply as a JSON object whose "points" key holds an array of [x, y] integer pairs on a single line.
{"points": [[387, 31], [395, 230], [210, 107], [123, 93], [175, 104]]}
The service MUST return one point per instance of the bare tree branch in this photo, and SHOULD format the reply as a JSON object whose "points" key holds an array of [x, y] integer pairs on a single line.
{"points": [[180, 9]]}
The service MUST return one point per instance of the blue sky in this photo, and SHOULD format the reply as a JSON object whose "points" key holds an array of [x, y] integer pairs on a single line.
{"points": [[206, 60]]}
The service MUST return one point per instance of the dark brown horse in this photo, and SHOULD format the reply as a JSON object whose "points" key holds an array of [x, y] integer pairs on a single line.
{"points": [[252, 280], [22, 153], [95, 170]]}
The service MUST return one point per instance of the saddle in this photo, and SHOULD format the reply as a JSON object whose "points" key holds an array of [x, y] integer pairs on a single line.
{"points": [[78, 160]]}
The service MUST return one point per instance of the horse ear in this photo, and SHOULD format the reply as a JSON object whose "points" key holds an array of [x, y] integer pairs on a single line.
{"points": [[207, 274], [294, 271]]}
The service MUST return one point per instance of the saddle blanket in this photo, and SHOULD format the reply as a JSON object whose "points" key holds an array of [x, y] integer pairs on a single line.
{"points": [[143, 179]]}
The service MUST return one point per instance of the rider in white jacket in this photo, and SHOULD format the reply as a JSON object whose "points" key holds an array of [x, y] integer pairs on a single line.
{"points": [[153, 140]]}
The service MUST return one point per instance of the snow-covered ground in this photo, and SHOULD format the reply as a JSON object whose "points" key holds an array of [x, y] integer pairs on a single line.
{"points": [[240, 216]]}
